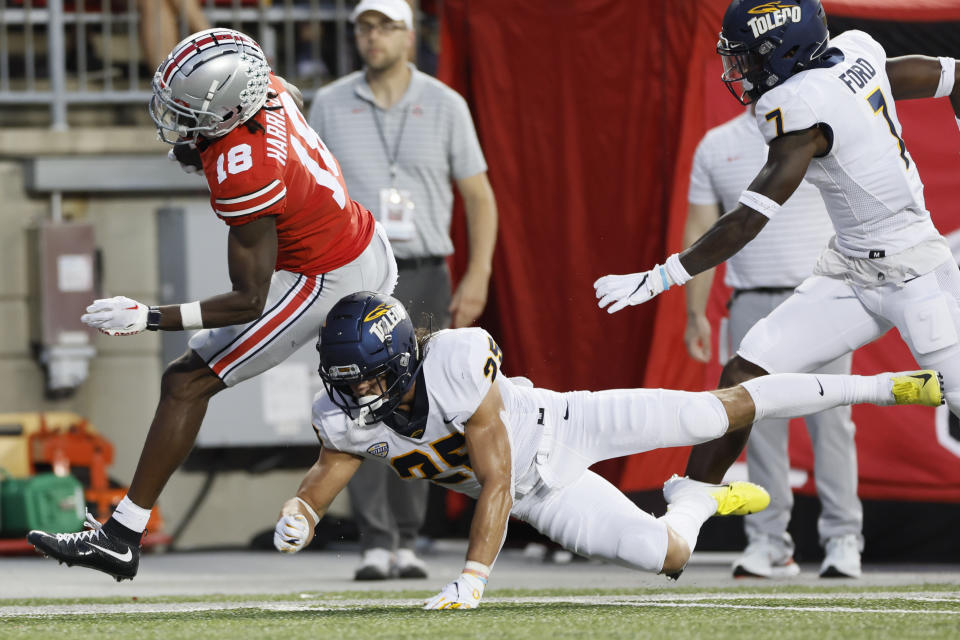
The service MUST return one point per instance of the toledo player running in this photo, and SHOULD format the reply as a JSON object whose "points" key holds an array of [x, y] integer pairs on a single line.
{"points": [[439, 408], [826, 110], [297, 244]]}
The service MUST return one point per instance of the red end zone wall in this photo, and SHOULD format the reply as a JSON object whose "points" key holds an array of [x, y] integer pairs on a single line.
{"points": [[589, 114]]}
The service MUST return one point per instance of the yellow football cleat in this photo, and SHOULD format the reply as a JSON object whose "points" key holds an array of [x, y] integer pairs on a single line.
{"points": [[923, 387], [740, 498]]}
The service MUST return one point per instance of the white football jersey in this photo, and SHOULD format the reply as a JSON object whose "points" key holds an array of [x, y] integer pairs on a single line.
{"points": [[868, 180], [459, 368], [727, 159]]}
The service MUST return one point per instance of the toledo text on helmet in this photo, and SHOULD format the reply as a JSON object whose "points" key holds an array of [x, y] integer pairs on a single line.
{"points": [[389, 317], [771, 15]]}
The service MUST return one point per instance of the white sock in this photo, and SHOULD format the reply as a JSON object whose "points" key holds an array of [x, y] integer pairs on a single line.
{"points": [[687, 513], [789, 395], [131, 516]]}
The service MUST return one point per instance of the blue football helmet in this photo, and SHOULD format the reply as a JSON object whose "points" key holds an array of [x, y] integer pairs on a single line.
{"points": [[763, 43], [368, 335]]}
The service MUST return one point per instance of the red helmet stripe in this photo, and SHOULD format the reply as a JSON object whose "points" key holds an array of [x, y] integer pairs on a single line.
{"points": [[189, 50]]}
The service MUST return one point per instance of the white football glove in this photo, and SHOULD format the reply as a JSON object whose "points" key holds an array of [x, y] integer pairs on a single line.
{"points": [[117, 316], [634, 288], [463, 593], [291, 533]]}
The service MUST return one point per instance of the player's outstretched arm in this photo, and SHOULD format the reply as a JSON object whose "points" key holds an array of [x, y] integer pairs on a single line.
{"points": [[488, 448], [251, 259], [252, 255], [925, 77], [787, 162], [299, 515], [786, 165]]}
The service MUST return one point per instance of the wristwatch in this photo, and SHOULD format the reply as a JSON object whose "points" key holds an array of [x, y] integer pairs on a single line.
{"points": [[153, 319]]}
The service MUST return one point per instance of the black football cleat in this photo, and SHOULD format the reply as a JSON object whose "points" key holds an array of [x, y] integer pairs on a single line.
{"points": [[93, 548]]}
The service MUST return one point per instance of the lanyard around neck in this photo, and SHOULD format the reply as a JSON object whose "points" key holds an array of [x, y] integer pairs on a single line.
{"points": [[391, 157]]}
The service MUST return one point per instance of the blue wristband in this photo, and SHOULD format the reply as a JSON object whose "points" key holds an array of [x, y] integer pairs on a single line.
{"points": [[663, 275]]}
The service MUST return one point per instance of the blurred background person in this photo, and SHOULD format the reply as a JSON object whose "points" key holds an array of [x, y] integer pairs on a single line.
{"points": [[160, 26], [762, 275], [401, 137]]}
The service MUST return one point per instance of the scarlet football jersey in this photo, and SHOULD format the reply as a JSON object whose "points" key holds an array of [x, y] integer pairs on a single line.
{"points": [[283, 169]]}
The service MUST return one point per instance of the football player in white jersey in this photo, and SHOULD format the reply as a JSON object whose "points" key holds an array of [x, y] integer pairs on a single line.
{"points": [[826, 109], [438, 408]]}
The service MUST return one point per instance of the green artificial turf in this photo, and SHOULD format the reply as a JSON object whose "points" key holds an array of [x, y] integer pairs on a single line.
{"points": [[776, 613]]}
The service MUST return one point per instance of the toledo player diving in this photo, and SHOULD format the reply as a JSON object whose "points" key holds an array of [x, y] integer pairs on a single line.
{"points": [[438, 407]]}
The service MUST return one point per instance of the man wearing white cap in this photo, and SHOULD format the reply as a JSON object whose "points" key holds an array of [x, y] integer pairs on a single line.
{"points": [[402, 137]]}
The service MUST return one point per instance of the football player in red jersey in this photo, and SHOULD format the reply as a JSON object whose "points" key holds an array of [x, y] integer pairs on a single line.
{"points": [[297, 244]]}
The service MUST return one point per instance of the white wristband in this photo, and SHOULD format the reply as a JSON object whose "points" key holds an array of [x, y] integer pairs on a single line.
{"points": [[948, 70], [309, 509], [760, 203], [676, 271], [958, 122], [477, 568], [190, 315]]}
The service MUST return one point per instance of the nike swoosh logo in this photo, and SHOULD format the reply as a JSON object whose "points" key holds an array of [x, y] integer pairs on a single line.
{"points": [[133, 308], [819, 385], [566, 413], [641, 283], [124, 557], [445, 421], [922, 376]]}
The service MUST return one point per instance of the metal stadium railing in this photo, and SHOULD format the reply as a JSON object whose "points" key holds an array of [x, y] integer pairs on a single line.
{"points": [[74, 52]]}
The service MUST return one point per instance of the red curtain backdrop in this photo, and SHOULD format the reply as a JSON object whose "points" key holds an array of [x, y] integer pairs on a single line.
{"points": [[589, 113]]}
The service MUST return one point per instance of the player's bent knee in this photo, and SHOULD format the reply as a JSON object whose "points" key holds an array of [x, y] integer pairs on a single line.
{"points": [[702, 418], [642, 548], [189, 378]]}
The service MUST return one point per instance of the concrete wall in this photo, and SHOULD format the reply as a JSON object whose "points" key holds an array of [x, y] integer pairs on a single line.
{"points": [[121, 392]]}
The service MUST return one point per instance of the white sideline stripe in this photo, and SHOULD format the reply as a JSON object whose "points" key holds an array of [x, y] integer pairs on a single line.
{"points": [[249, 196], [695, 601]]}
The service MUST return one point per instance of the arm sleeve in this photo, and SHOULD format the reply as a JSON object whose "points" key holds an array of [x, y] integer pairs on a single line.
{"points": [[701, 186], [466, 156]]}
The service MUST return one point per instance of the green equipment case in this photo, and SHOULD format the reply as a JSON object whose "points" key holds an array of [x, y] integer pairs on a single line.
{"points": [[45, 501]]}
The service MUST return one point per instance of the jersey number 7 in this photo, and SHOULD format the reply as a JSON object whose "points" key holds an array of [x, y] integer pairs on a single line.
{"points": [[879, 104]]}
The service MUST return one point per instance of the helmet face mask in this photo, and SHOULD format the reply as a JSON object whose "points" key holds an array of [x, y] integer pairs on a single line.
{"points": [[211, 82], [368, 336], [762, 44], [742, 71], [175, 123]]}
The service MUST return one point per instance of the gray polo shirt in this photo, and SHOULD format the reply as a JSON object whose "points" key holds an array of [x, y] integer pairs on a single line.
{"points": [[437, 144]]}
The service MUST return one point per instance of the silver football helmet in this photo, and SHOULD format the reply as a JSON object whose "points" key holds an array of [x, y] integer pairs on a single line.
{"points": [[211, 82]]}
